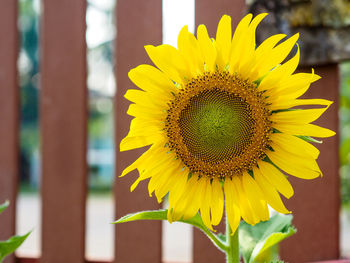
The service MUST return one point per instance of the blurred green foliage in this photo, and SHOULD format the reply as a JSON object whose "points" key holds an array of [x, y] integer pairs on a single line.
{"points": [[29, 92], [344, 115]]}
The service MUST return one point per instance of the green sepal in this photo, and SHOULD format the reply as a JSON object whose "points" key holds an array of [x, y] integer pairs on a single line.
{"points": [[162, 214], [259, 243], [4, 206], [309, 139], [9, 246]]}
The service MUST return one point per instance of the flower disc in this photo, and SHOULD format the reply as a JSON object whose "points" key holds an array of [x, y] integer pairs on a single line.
{"points": [[215, 126], [218, 125]]}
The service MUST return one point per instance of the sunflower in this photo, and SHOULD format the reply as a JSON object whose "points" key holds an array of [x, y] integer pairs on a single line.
{"points": [[220, 119]]}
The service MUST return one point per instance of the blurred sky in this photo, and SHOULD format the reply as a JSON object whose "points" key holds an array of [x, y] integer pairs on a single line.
{"points": [[176, 14]]}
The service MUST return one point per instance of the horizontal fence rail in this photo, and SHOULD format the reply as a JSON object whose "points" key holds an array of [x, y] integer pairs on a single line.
{"points": [[63, 111]]}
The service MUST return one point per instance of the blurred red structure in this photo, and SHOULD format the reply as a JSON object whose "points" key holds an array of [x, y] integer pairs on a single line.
{"points": [[63, 127]]}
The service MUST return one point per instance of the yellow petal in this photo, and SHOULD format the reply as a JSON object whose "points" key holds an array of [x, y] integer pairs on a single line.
{"points": [[194, 203], [152, 80], [142, 111], [232, 208], [143, 127], [238, 42], [129, 143], [143, 159], [223, 40], [192, 198], [169, 60], [207, 47], [189, 48], [217, 202], [187, 205], [294, 165], [135, 184], [246, 210], [205, 206], [160, 171], [135, 164], [168, 177], [276, 178], [143, 98], [304, 129], [266, 46], [292, 87], [294, 145], [247, 58], [297, 116], [175, 193], [269, 192], [262, 62], [269, 56], [143, 172], [276, 76], [255, 197], [286, 103]]}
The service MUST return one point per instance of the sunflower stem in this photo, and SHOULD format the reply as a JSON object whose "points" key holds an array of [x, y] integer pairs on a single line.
{"points": [[232, 252]]}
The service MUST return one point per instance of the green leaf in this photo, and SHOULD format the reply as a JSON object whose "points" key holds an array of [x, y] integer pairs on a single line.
{"points": [[9, 246], [162, 215], [258, 243], [4, 206], [159, 215], [144, 215]]}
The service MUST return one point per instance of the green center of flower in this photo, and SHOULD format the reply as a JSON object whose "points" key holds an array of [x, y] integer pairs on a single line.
{"points": [[215, 125], [218, 125]]}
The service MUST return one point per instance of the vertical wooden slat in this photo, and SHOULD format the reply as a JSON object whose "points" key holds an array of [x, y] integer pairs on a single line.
{"points": [[209, 12], [9, 116], [63, 110], [315, 204], [139, 23]]}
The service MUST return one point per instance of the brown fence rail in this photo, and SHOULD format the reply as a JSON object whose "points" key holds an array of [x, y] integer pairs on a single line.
{"points": [[63, 111]]}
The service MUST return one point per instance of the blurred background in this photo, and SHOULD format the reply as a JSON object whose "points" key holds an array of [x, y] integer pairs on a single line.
{"points": [[100, 35], [101, 85]]}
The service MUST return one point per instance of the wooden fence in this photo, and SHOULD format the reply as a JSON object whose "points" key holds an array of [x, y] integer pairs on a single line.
{"points": [[63, 112]]}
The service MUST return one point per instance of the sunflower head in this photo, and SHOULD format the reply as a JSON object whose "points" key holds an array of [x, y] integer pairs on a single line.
{"points": [[222, 120]]}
